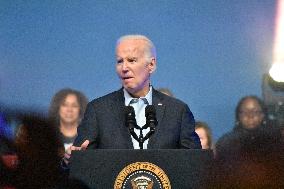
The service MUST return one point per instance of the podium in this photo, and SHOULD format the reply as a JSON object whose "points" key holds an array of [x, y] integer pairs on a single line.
{"points": [[105, 169]]}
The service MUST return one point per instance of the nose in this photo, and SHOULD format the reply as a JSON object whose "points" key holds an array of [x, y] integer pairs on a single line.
{"points": [[250, 115], [69, 108], [124, 66]]}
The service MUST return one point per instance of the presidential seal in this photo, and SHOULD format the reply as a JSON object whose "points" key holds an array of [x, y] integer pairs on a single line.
{"points": [[142, 175]]}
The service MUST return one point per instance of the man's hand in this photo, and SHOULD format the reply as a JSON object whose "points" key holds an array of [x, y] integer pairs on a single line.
{"points": [[68, 152]]}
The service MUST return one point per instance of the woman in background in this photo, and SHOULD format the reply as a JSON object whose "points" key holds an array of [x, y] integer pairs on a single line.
{"points": [[250, 156], [67, 108], [250, 124]]}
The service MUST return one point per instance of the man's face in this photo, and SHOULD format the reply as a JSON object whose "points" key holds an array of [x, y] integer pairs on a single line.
{"points": [[134, 67]]}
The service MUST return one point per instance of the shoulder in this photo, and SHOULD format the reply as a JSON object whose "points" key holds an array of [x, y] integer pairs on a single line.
{"points": [[232, 135], [159, 97], [228, 140], [108, 98]]}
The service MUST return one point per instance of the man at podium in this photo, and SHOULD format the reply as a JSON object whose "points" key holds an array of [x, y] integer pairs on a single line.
{"points": [[106, 125]]}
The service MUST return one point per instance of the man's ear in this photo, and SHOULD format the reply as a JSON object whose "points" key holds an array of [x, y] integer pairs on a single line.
{"points": [[152, 65]]}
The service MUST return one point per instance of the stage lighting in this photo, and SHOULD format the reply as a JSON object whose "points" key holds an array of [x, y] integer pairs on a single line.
{"points": [[277, 68], [277, 72], [273, 96]]}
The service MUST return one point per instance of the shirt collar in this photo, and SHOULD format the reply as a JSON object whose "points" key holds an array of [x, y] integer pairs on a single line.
{"points": [[128, 98]]}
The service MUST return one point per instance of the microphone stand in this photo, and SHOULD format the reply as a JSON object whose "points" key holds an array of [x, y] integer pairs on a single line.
{"points": [[131, 123], [150, 133], [142, 139]]}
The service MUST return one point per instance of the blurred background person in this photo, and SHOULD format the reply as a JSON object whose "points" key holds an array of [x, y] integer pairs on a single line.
{"points": [[251, 155], [166, 91], [39, 151], [250, 115], [205, 134], [67, 108]]}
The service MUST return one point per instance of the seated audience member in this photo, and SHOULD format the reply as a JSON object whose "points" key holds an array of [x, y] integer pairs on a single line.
{"points": [[166, 91], [205, 134], [251, 155], [67, 108]]}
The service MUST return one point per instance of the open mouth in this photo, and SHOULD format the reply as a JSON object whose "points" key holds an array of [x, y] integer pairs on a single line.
{"points": [[127, 78]]}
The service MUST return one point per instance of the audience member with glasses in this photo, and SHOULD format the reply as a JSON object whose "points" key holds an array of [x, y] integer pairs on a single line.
{"points": [[250, 155]]}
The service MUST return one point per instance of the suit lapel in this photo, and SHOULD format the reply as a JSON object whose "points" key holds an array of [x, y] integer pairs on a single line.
{"points": [[117, 105], [157, 101]]}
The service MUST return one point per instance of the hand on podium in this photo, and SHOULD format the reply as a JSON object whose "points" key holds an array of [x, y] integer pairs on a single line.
{"points": [[68, 152]]}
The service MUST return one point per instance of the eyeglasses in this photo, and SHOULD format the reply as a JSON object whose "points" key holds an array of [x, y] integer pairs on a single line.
{"points": [[251, 112]]}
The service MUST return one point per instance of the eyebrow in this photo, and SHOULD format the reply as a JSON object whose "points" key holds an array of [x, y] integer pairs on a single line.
{"points": [[132, 58], [128, 57]]}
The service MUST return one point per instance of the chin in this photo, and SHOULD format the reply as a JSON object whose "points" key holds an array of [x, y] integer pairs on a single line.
{"points": [[252, 127], [129, 89], [70, 121]]}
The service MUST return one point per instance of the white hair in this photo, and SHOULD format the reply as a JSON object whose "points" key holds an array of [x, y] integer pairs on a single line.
{"points": [[150, 49]]}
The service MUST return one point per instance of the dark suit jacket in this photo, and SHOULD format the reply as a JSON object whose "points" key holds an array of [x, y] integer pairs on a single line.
{"points": [[104, 124]]}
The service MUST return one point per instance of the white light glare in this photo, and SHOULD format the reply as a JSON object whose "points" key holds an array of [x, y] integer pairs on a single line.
{"points": [[277, 69], [277, 72]]}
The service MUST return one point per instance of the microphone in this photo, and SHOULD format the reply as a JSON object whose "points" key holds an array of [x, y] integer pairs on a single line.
{"points": [[130, 121], [150, 114], [151, 120]]}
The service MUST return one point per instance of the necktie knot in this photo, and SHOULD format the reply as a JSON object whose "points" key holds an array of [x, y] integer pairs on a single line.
{"points": [[136, 100]]}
